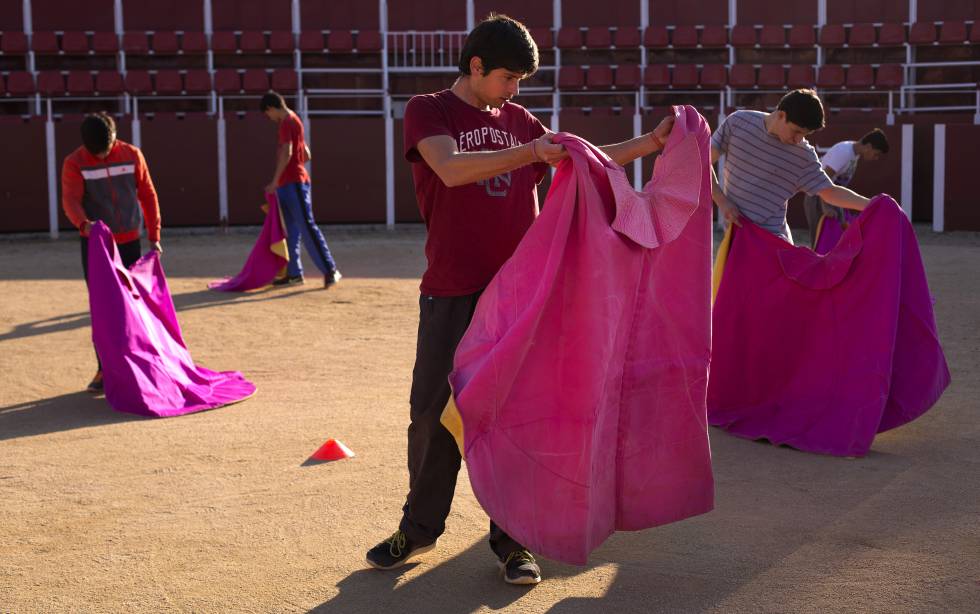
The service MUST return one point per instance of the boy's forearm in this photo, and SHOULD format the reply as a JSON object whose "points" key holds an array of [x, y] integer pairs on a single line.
{"points": [[627, 151], [842, 197]]}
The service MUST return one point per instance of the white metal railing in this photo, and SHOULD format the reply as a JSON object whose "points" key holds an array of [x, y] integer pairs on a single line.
{"points": [[414, 49]]}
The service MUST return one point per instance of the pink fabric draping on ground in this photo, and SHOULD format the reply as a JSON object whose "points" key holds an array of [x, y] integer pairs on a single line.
{"points": [[145, 364], [822, 352], [267, 258], [581, 381]]}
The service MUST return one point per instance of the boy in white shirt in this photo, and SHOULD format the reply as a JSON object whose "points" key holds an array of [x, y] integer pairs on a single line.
{"points": [[840, 163]]}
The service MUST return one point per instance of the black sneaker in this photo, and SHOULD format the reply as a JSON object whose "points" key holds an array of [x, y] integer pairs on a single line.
{"points": [[395, 552], [96, 385], [288, 281], [520, 568], [331, 278]]}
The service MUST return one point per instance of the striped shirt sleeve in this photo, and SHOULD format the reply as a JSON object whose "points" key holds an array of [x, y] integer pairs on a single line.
{"points": [[719, 140], [813, 179]]}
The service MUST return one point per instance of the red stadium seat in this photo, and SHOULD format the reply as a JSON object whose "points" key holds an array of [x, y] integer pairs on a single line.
{"points": [[742, 76], [105, 42], [889, 77], [656, 36], [3, 90], [861, 35], [223, 43], [45, 43], [772, 36], [743, 36], [569, 38], [627, 37], [168, 83], [772, 76], [598, 37], [252, 42], [50, 83], [74, 43], [340, 41], [138, 82], [285, 80], [311, 42], [685, 76], [20, 83], [281, 41], [952, 33], [714, 76], [136, 43], [922, 33], [714, 37], [197, 82], [975, 33], [80, 83], [627, 77], [255, 81], [684, 36], [543, 37], [860, 76], [656, 76], [599, 77], [109, 82], [800, 75], [165, 43], [368, 41], [227, 81], [14, 43], [194, 43], [832, 35], [891, 35], [830, 76], [571, 77], [802, 36]]}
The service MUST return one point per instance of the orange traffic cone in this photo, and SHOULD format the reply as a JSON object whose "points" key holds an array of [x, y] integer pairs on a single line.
{"points": [[332, 450]]}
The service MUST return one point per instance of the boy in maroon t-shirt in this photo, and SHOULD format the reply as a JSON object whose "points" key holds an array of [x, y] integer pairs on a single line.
{"points": [[291, 185], [476, 160]]}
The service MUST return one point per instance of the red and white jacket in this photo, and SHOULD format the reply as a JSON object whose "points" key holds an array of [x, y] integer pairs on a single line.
{"points": [[116, 189]]}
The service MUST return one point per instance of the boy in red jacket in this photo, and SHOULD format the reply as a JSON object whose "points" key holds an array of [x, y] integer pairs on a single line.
{"points": [[107, 180]]}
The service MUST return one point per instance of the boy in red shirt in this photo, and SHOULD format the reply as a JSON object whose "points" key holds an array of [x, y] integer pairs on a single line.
{"points": [[291, 185], [107, 180], [476, 160]]}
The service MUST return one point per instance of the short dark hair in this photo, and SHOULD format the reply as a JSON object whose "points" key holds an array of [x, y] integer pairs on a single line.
{"points": [[501, 42], [876, 138], [98, 132], [272, 100], [803, 108]]}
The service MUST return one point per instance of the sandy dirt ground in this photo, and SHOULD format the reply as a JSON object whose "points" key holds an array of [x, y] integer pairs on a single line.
{"points": [[218, 511]]}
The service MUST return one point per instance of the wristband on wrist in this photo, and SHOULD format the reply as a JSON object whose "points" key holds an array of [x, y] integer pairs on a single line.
{"points": [[656, 140], [534, 151]]}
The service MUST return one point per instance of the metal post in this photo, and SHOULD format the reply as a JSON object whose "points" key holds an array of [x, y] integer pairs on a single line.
{"points": [[890, 118], [389, 119], [52, 175], [117, 15], [913, 11], [470, 15], [296, 19], [29, 30], [222, 165], [939, 180], [908, 132], [637, 131], [135, 128], [208, 23], [821, 12]]}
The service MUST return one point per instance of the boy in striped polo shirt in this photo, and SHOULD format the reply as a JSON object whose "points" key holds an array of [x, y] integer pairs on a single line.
{"points": [[768, 160]]}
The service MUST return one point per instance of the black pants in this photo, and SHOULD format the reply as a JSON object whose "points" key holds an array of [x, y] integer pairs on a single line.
{"points": [[433, 458], [128, 252]]}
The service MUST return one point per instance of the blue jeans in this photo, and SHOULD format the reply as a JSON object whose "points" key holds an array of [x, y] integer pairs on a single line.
{"points": [[297, 211]]}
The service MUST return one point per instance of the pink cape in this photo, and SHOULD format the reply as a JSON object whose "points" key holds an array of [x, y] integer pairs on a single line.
{"points": [[145, 364], [581, 380], [267, 258], [829, 232], [822, 352]]}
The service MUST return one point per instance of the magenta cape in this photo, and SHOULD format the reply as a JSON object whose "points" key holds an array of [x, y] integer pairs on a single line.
{"points": [[822, 352], [581, 380], [145, 364], [829, 232], [267, 258]]}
